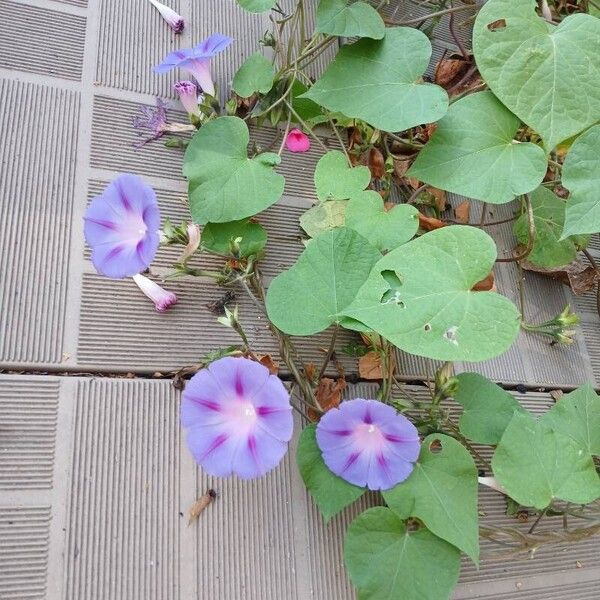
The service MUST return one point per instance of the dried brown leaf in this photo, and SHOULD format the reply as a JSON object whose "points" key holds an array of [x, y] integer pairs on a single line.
{"points": [[430, 223], [485, 285], [370, 366], [267, 361], [376, 163], [463, 212], [576, 275], [440, 198], [328, 395]]}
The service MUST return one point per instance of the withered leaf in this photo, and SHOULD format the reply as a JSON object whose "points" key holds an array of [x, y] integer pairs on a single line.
{"points": [[376, 163], [485, 285], [449, 71], [370, 366], [267, 361], [576, 275], [440, 198], [463, 212], [328, 394], [430, 223], [200, 505]]}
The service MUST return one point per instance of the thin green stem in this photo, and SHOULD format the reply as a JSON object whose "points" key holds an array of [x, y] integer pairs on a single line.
{"points": [[330, 352], [439, 13]]}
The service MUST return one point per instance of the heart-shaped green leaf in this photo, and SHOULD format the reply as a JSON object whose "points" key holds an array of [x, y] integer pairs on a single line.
{"points": [[386, 561], [536, 464], [324, 217], [581, 176], [547, 75], [549, 250], [385, 230], [335, 179], [256, 6], [255, 75], [218, 237], [330, 492], [375, 81], [488, 409], [419, 298], [349, 19], [224, 184], [322, 282], [577, 415], [442, 492], [473, 153]]}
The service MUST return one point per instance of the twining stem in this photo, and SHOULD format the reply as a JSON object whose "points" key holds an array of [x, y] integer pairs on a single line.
{"points": [[339, 139], [531, 236], [456, 431], [455, 37], [537, 521], [439, 13], [330, 352], [285, 134], [483, 214], [416, 193]]}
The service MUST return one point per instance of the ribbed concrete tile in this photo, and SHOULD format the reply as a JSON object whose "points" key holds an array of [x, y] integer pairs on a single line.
{"points": [[40, 40], [28, 421], [36, 189], [24, 541], [133, 38], [114, 523]]}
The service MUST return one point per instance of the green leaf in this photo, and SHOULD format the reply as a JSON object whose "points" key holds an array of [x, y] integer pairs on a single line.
{"points": [[385, 230], [547, 75], [331, 493], [431, 310], [217, 237], [385, 561], [536, 464], [324, 217], [349, 19], [224, 184], [442, 492], [473, 153], [581, 176], [374, 80], [488, 409], [255, 75], [335, 179], [322, 282], [549, 216], [577, 415], [256, 6], [307, 109]]}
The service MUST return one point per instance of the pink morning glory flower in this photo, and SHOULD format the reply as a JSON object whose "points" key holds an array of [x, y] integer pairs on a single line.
{"points": [[174, 20], [121, 227], [238, 418], [162, 298], [196, 60], [188, 94], [368, 443], [296, 141]]}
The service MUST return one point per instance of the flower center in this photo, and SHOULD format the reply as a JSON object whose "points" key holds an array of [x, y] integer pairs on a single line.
{"points": [[369, 437]]}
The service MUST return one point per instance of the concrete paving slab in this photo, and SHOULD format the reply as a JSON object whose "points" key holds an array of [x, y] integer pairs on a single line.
{"points": [[95, 487]]}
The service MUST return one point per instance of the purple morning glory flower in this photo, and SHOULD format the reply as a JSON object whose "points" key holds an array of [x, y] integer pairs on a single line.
{"points": [[154, 119], [121, 227], [162, 298], [238, 418], [368, 443], [188, 94], [196, 60], [174, 20]]}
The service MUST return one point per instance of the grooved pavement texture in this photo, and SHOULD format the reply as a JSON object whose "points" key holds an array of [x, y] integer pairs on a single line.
{"points": [[96, 484], [94, 476]]}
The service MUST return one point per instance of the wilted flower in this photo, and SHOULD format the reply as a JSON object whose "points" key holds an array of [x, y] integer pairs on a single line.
{"points": [[230, 318], [121, 227], [174, 20], [196, 60], [368, 443], [238, 418], [193, 242], [153, 119], [188, 94], [162, 298], [296, 141]]}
